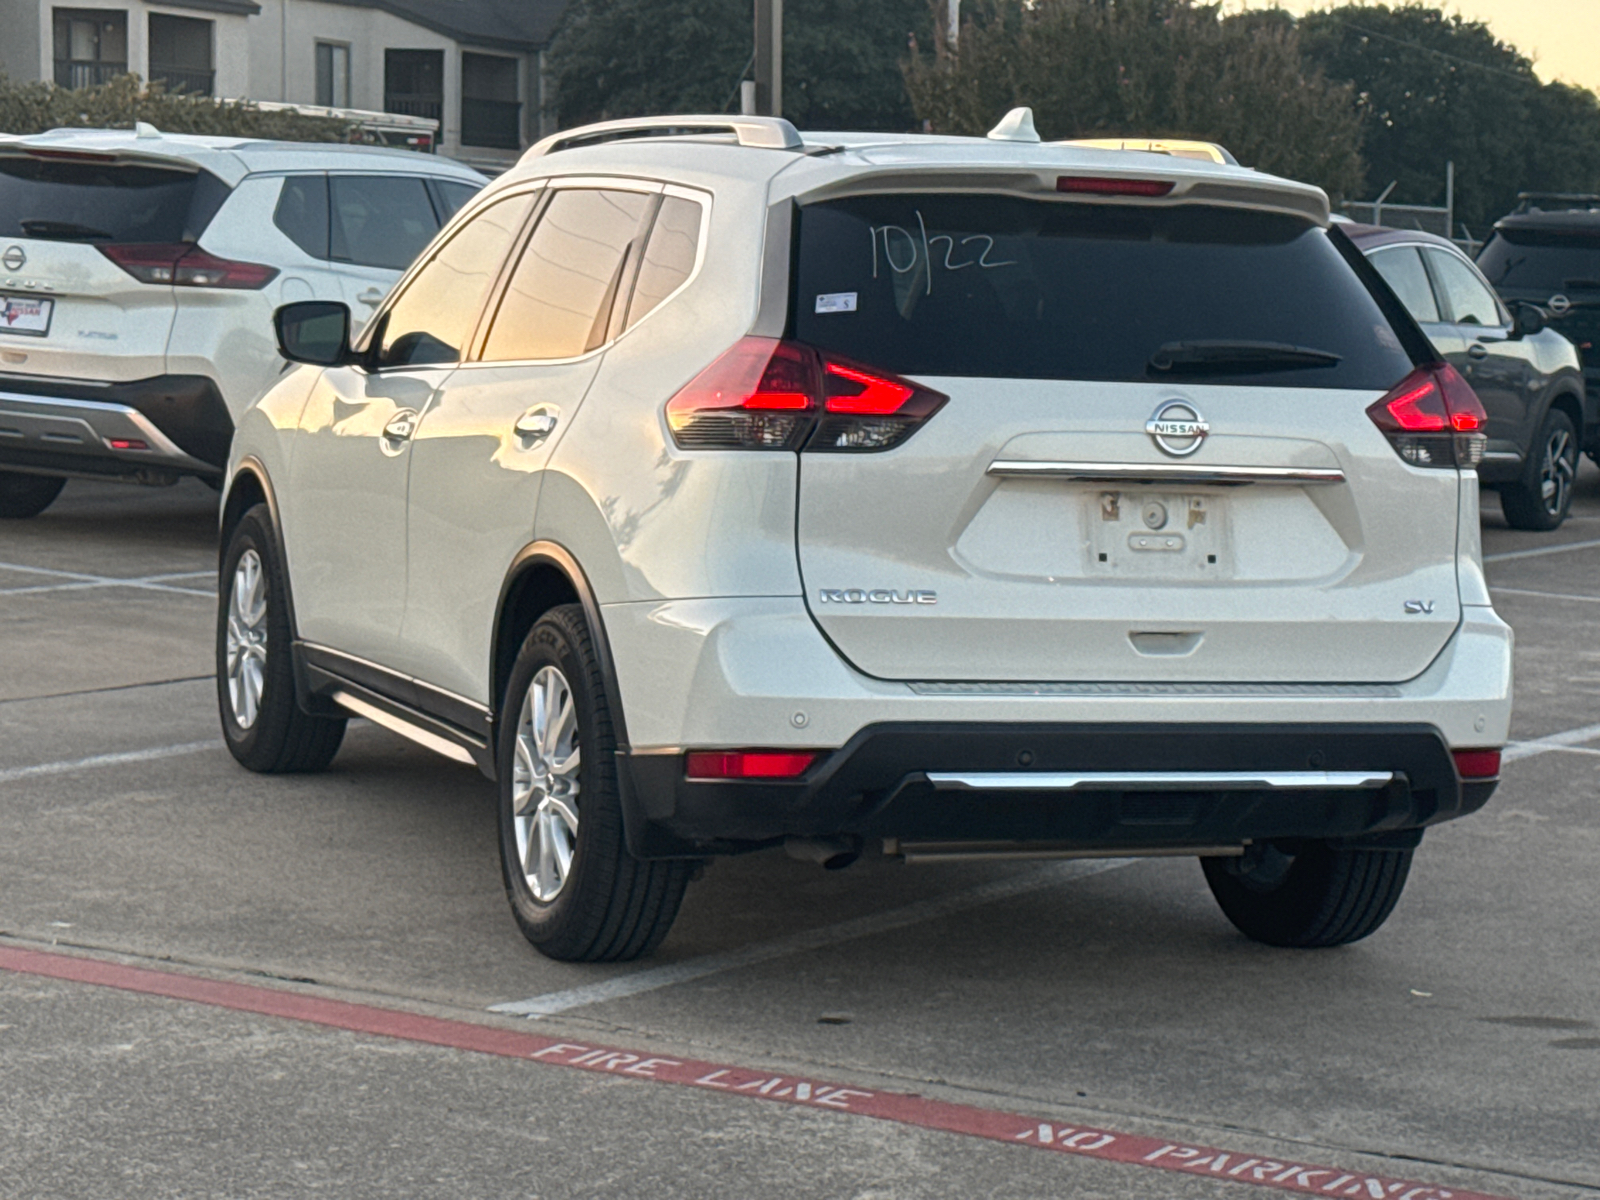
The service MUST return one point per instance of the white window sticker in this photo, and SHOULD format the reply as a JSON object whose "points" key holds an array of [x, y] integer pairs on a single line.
{"points": [[836, 302]]}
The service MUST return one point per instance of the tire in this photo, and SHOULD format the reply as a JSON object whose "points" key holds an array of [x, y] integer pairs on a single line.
{"points": [[605, 905], [1540, 500], [1317, 896], [262, 722], [27, 495]]}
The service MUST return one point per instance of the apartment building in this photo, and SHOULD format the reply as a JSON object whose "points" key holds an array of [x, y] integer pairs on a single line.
{"points": [[476, 66]]}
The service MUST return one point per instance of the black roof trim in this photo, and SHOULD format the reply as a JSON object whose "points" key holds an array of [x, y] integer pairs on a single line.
{"points": [[522, 26]]}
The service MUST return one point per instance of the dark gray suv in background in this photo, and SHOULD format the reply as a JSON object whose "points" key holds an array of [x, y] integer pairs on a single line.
{"points": [[1529, 378]]}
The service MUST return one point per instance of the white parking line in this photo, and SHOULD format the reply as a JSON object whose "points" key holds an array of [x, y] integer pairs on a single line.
{"points": [[1556, 741], [1537, 551], [79, 581], [10, 774], [1547, 595], [652, 978]]}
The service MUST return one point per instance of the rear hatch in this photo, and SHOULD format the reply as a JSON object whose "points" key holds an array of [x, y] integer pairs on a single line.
{"points": [[1058, 518], [69, 310], [1557, 268]]}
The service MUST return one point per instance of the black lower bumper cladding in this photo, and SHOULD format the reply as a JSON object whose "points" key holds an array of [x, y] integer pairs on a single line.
{"points": [[878, 785], [186, 408]]}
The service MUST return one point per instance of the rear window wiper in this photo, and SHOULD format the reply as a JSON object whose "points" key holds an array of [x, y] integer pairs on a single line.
{"points": [[62, 230], [1220, 355]]}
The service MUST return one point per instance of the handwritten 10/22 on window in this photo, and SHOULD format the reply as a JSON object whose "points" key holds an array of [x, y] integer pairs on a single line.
{"points": [[894, 252]]}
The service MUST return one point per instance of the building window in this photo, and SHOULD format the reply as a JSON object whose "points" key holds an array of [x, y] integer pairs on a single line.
{"points": [[413, 83], [91, 46], [333, 75], [490, 112], [180, 54]]}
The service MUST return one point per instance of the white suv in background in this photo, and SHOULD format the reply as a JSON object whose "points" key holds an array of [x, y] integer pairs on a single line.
{"points": [[715, 487], [138, 276]]}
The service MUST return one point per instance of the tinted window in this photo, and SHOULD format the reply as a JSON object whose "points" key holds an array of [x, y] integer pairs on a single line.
{"points": [[668, 256], [1403, 270], [302, 213], [453, 196], [1012, 288], [380, 220], [1548, 261], [1468, 300], [559, 301], [104, 202], [432, 319]]}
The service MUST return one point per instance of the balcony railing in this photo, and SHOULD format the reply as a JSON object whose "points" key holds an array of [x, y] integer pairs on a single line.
{"points": [[87, 74], [414, 104], [493, 123], [179, 79]]}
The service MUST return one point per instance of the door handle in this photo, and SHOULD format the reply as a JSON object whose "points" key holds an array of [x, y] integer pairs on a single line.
{"points": [[401, 426], [536, 424], [1477, 350], [372, 297]]}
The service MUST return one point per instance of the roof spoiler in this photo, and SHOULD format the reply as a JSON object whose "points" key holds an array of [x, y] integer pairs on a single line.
{"points": [[767, 133]]}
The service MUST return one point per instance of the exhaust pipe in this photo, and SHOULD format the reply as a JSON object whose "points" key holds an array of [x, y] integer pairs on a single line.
{"points": [[832, 854]]}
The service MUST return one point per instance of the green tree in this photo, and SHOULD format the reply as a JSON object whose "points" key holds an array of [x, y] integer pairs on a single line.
{"points": [[1433, 88], [1160, 68], [36, 107], [623, 58]]}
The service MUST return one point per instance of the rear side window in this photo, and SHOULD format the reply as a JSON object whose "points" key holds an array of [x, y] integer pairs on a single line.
{"points": [[302, 213], [75, 201], [668, 258], [380, 220], [559, 301], [1402, 269], [452, 196], [1010, 288], [1543, 260]]}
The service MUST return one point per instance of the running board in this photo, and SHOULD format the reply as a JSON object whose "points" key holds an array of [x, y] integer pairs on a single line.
{"points": [[929, 852], [394, 724], [1158, 781]]}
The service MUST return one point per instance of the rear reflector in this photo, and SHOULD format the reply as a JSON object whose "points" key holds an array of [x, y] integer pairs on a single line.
{"points": [[748, 764], [183, 264], [767, 394], [1092, 186], [1478, 764], [1433, 418]]}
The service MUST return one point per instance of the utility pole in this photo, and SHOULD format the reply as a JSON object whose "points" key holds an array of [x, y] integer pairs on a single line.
{"points": [[954, 24], [769, 58]]}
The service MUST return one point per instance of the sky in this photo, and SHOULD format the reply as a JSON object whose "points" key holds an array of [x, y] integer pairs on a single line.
{"points": [[1561, 36]]}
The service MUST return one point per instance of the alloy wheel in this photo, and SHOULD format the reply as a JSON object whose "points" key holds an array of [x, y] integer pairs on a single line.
{"points": [[545, 782], [247, 639], [1557, 472]]}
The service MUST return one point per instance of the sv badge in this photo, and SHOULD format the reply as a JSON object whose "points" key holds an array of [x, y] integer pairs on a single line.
{"points": [[1419, 607]]}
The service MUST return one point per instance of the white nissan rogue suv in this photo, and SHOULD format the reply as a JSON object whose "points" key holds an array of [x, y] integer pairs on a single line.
{"points": [[712, 486], [139, 271]]}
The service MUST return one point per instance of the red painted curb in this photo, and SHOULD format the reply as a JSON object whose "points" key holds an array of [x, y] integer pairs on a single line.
{"points": [[901, 1107]]}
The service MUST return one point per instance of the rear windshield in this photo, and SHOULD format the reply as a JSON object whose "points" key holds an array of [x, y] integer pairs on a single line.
{"points": [[1027, 289], [76, 201], [1543, 260]]}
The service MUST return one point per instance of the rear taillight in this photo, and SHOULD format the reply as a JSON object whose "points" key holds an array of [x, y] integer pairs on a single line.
{"points": [[748, 764], [1433, 418], [767, 394], [183, 264], [1478, 764]]}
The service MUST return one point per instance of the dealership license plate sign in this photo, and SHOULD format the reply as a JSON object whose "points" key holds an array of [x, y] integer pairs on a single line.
{"points": [[29, 315]]}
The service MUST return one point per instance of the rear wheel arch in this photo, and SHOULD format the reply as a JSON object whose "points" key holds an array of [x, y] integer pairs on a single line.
{"points": [[1570, 403], [251, 485], [543, 576]]}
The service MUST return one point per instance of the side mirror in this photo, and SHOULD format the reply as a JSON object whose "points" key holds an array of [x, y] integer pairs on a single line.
{"points": [[314, 331], [1526, 320]]}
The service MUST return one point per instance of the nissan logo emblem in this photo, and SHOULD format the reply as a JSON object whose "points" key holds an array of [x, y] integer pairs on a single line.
{"points": [[1558, 304], [14, 258], [1178, 428]]}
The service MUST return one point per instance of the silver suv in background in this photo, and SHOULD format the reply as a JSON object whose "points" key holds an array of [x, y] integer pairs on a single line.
{"points": [[139, 272], [712, 487]]}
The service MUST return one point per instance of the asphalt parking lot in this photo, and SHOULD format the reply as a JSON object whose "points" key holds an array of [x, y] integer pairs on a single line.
{"points": [[291, 919]]}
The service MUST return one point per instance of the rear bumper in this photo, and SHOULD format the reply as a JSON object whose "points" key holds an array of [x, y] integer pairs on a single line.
{"points": [[1099, 787], [144, 430]]}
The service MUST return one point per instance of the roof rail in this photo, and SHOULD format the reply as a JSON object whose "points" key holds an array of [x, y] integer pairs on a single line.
{"points": [[1555, 202], [770, 133]]}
